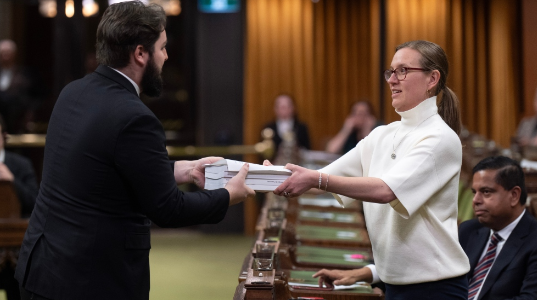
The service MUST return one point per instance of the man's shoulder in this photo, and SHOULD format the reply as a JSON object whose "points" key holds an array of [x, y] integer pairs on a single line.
{"points": [[469, 226], [16, 159], [530, 222]]}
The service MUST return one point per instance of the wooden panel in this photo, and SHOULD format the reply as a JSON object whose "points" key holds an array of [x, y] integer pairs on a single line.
{"points": [[9, 203]]}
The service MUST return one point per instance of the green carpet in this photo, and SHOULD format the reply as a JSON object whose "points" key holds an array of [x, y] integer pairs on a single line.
{"points": [[190, 265], [195, 266]]}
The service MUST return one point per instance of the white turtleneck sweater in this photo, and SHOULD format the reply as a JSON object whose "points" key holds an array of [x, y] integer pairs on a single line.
{"points": [[414, 237]]}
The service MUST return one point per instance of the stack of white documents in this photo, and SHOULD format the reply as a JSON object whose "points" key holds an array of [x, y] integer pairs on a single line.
{"points": [[259, 178]]}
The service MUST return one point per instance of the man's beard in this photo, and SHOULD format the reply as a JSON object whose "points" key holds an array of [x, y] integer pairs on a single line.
{"points": [[151, 80]]}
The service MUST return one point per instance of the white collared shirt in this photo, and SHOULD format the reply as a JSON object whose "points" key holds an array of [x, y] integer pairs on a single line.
{"points": [[284, 126], [132, 81], [504, 233], [2, 156], [6, 77]]}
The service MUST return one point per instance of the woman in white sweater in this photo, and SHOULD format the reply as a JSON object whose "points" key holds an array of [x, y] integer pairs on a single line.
{"points": [[407, 174]]}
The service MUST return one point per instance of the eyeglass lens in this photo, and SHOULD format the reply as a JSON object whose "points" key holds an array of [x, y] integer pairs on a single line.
{"points": [[400, 73]]}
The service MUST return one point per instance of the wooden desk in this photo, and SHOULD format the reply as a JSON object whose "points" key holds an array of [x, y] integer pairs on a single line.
{"points": [[12, 227], [306, 243]]}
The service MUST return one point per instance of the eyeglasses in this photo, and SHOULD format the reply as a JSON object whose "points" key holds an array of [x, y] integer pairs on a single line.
{"points": [[400, 73]]}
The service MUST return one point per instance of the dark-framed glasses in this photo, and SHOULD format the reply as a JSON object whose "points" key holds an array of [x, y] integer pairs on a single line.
{"points": [[400, 73]]}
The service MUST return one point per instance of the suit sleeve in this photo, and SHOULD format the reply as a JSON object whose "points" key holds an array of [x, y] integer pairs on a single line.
{"points": [[142, 161]]}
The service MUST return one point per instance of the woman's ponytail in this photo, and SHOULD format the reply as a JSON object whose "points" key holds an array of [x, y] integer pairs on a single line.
{"points": [[449, 109]]}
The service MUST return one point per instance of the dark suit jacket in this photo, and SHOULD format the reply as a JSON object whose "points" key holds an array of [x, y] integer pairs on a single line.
{"points": [[514, 272], [25, 182], [106, 173], [301, 134]]}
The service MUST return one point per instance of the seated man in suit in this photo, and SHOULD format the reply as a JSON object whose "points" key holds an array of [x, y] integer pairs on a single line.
{"points": [[501, 243], [19, 170]]}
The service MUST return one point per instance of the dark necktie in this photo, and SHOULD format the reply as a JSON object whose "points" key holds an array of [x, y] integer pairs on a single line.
{"points": [[483, 267]]}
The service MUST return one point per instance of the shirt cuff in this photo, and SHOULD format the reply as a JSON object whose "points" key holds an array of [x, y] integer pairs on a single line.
{"points": [[373, 268]]}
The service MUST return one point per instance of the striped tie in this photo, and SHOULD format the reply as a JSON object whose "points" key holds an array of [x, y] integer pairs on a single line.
{"points": [[483, 267]]}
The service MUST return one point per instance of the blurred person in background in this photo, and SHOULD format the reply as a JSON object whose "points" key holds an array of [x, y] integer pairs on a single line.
{"points": [[20, 92], [360, 122], [526, 134], [287, 125], [20, 171]]}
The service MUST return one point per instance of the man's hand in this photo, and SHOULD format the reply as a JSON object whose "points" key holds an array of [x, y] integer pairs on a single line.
{"points": [[197, 173], [5, 173], [237, 188], [343, 277], [300, 181]]}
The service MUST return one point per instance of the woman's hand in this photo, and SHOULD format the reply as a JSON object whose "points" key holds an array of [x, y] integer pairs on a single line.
{"points": [[237, 188], [343, 277], [339, 277], [301, 180]]}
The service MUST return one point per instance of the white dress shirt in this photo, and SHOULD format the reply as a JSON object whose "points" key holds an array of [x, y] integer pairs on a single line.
{"points": [[5, 79], [284, 126], [132, 81]]}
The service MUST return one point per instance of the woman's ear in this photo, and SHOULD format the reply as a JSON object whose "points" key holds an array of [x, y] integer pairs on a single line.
{"points": [[433, 80]]}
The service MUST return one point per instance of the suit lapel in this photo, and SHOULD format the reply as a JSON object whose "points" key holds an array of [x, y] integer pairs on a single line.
{"points": [[478, 242], [508, 252]]}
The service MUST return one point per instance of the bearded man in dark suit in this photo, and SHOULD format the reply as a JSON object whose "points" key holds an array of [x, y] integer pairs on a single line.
{"points": [[106, 173]]}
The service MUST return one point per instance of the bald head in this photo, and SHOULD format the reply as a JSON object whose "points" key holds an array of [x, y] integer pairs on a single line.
{"points": [[8, 51]]}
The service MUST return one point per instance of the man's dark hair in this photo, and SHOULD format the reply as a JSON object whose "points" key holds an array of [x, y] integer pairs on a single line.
{"points": [[123, 27], [509, 174]]}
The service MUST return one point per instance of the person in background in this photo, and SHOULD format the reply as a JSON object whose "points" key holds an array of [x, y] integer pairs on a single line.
{"points": [[407, 175], [107, 175], [360, 122], [20, 92], [287, 123], [18, 170], [526, 134], [501, 243]]}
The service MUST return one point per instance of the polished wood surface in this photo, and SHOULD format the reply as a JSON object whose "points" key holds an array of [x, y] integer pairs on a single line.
{"points": [[9, 203]]}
